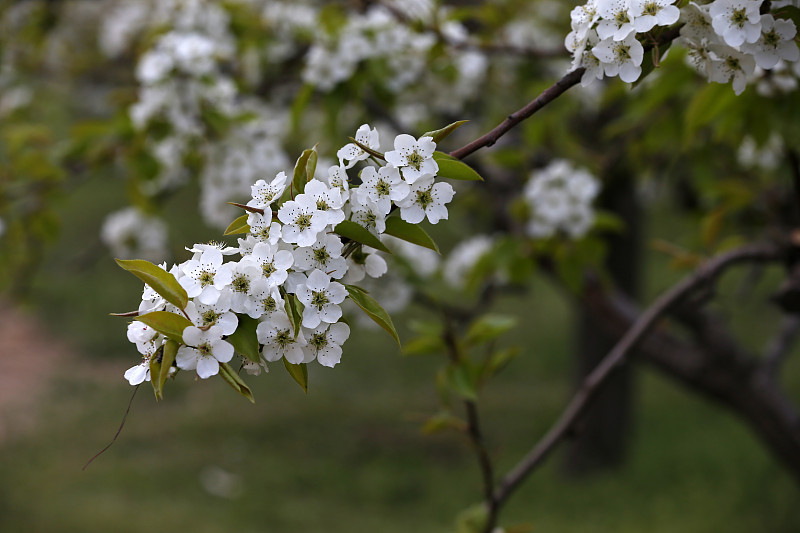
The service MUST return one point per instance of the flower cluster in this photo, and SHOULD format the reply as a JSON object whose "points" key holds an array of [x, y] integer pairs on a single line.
{"points": [[292, 267], [559, 197], [726, 38]]}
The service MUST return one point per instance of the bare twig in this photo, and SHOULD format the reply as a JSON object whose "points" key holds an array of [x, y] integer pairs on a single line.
{"points": [[547, 96], [703, 276]]}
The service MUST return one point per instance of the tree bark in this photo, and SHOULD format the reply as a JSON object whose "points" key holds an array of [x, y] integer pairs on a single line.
{"points": [[603, 434]]}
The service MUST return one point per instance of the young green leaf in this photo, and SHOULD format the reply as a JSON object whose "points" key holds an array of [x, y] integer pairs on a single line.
{"points": [[232, 378], [358, 233], [167, 358], [299, 373], [294, 309], [489, 327], [439, 135], [443, 421], [155, 370], [158, 279], [412, 233], [166, 323], [245, 340], [311, 165], [300, 176], [373, 310], [498, 361], [454, 169], [461, 381], [238, 226]]}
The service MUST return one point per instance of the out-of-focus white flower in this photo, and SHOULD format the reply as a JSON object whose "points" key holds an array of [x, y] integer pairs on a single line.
{"points": [[130, 233], [463, 258]]}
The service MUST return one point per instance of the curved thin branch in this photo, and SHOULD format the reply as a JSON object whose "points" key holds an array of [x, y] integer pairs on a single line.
{"points": [[704, 275]]}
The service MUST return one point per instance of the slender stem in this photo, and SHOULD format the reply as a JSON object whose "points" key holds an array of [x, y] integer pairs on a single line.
{"points": [[474, 431], [704, 275], [547, 96], [780, 346]]}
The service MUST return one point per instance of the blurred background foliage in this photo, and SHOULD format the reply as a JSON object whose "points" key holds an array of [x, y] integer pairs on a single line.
{"points": [[350, 455]]}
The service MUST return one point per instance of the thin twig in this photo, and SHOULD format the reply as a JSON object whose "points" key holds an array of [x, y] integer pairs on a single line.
{"points": [[474, 431], [704, 275], [547, 96], [121, 425]]}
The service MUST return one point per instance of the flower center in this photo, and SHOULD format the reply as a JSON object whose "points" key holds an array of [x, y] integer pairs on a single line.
{"points": [[382, 188], [283, 338], [269, 304], [209, 317], [651, 8], [322, 205], [621, 18], [424, 199], [240, 283], [319, 299], [303, 221], [318, 340], [204, 349], [733, 64], [739, 17], [623, 52], [414, 160], [268, 268], [206, 278], [772, 39], [321, 256]]}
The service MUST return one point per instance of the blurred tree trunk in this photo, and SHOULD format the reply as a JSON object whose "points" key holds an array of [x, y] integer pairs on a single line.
{"points": [[602, 435]]}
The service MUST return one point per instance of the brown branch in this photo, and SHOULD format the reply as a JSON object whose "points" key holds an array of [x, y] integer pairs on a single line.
{"points": [[547, 96], [780, 346], [703, 276]]}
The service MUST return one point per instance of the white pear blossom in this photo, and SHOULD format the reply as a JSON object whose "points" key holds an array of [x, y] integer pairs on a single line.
{"points": [[775, 43], [352, 153], [244, 275], [413, 157], [203, 351], [325, 342], [367, 213], [736, 21], [130, 233], [302, 221], [426, 198], [463, 258], [324, 255], [279, 340], [266, 301], [337, 178], [623, 57], [273, 262], [365, 261], [321, 298], [616, 20], [263, 228], [651, 13], [383, 186], [205, 277], [139, 373], [327, 200], [264, 194], [216, 314], [732, 66]]}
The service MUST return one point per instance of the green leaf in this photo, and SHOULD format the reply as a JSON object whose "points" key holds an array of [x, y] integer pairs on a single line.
{"points": [[299, 373], [167, 358], [358, 233], [232, 378], [238, 226], [155, 370], [439, 135], [789, 12], [461, 381], [454, 169], [472, 519], [412, 233], [245, 340], [498, 361], [489, 327], [373, 310], [158, 279], [166, 323], [311, 165], [424, 344], [300, 176], [294, 309]]}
